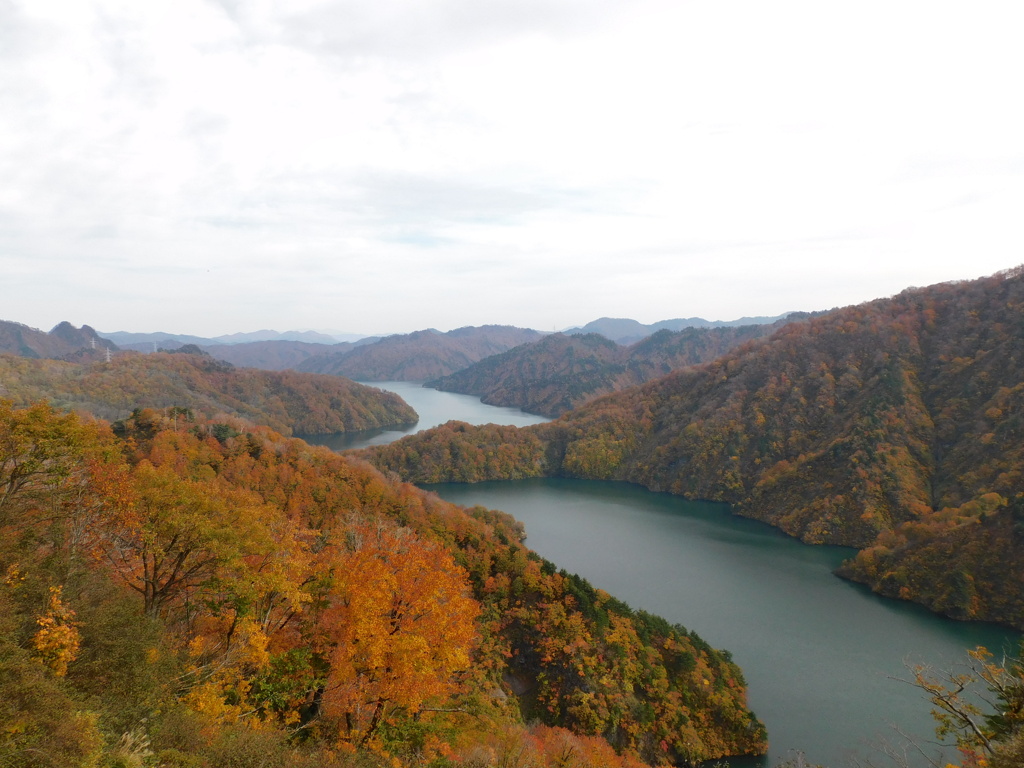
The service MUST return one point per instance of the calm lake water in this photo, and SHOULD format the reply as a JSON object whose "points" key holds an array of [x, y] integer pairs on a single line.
{"points": [[819, 654], [434, 407]]}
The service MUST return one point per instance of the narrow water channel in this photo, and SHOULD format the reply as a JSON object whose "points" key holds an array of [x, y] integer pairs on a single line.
{"points": [[434, 407]]}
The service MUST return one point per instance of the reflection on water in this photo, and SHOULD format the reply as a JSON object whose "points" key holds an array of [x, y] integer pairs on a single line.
{"points": [[362, 439]]}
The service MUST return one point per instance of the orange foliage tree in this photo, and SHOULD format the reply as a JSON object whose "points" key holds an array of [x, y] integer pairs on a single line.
{"points": [[400, 627]]}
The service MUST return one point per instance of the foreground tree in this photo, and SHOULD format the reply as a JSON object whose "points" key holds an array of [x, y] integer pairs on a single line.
{"points": [[981, 706], [400, 626]]}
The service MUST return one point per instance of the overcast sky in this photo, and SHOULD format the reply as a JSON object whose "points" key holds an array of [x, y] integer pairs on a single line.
{"points": [[380, 166]]}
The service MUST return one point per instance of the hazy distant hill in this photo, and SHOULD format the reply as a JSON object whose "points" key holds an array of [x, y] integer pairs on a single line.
{"points": [[896, 426], [150, 342], [287, 401], [310, 337], [246, 350], [561, 372], [64, 342], [421, 355], [144, 341], [627, 331], [273, 355]]}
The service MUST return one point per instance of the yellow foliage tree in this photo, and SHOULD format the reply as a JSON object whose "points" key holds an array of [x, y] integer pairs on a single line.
{"points": [[57, 640]]}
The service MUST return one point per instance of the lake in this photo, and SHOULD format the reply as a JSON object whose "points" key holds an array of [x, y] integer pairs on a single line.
{"points": [[819, 654], [434, 407]]}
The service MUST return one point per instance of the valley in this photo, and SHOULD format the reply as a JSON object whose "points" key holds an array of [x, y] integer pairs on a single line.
{"points": [[892, 429]]}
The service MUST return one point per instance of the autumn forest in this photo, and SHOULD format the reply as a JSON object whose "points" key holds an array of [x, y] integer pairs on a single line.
{"points": [[187, 583]]}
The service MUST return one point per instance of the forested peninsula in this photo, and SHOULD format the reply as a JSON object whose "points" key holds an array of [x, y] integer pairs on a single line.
{"points": [[895, 426], [287, 401], [185, 592]]}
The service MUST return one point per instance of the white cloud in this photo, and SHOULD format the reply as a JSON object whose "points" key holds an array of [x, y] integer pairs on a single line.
{"points": [[393, 165]]}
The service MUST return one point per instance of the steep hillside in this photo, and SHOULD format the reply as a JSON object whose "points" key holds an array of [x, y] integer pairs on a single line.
{"points": [[64, 342], [546, 377], [286, 401], [421, 355], [562, 372], [896, 426], [180, 594]]}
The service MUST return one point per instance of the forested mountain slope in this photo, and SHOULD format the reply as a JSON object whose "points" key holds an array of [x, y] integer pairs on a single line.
{"points": [[562, 372], [628, 331], [895, 426], [184, 593], [546, 377], [286, 401], [64, 342], [421, 355]]}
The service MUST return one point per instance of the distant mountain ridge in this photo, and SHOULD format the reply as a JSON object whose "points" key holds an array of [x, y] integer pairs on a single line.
{"points": [[561, 372], [421, 355], [64, 342], [627, 331], [275, 355], [418, 356], [415, 356], [125, 338]]}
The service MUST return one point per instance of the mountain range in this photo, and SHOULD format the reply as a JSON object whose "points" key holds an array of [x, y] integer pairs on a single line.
{"points": [[622, 330], [172, 340], [561, 372], [895, 426], [64, 342], [420, 355], [628, 331], [185, 579]]}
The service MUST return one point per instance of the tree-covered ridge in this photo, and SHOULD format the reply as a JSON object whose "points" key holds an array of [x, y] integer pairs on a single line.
{"points": [[894, 426], [629, 331], [63, 342], [420, 355], [191, 593], [547, 377], [287, 401], [560, 372]]}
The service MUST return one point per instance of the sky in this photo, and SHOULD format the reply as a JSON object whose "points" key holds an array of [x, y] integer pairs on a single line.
{"points": [[381, 166]]}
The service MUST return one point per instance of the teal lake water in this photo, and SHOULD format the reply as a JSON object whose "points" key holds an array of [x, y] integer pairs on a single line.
{"points": [[819, 654]]}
